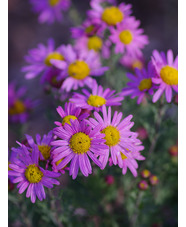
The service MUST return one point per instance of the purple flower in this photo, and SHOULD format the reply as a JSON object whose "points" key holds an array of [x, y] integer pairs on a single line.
{"points": [[78, 142], [119, 139], [39, 59], [128, 38], [30, 175], [95, 99], [79, 67], [50, 10], [132, 62], [18, 107], [141, 83], [167, 74], [69, 113]]}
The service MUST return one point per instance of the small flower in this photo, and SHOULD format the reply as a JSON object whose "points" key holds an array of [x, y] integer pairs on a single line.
{"points": [[78, 142], [129, 39], [173, 150], [39, 59], [132, 62], [141, 83], [18, 107], [70, 112], [95, 99], [29, 174], [143, 185], [142, 133], [78, 68], [145, 173], [153, 180], [50, 10], [109, 179], [167, 74], [119, 139]]}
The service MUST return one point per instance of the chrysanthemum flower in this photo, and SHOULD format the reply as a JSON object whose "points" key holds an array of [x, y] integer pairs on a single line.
{"points": [[50, 10], [132, 62], [119, 139], [145, 173], [79, 67], [128, 38], [18, 107], [109, 16], [153, 180], [29, 174], [167, 74], [43, 144], [70, 112], [78, 142], [143, 185], [39, 59], [141, 83], [95, 99]]}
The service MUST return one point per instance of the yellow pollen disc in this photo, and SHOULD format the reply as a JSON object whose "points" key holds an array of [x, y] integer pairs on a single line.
{"points": [[146, 172], [80, 143], [112, 135], [137, 64], [53, 2], [68, 118], [112, 15], [123, 156], [96, 101], [94, 43], [145, 84], [55, 56], [45, 151], [126, 37], [33, 174], [17, 108], [169, 75], [89, 29], [78, 70]]}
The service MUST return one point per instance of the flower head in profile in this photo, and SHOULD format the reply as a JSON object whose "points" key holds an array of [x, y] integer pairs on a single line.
{"points": [[140, 84], [95, 99], [29, 175], [19, 107], [128, 37], [70, 113], [167, 74], [78, 68], [39, 59], [50, 10], [77, 143], [119, 139]]}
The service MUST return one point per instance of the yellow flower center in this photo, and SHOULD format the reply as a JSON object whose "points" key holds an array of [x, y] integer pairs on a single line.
{"points": [[45, 151], [78, 70], [94, 43], [89, 29], [17, 108], [123, 156], [95, 100], [112, 135], [126, 37], [53, 2], [68, 118], [169, 75], [137, 64], [145, 84], [33, 174], [80, 143], [55, 56], [112, 15]]}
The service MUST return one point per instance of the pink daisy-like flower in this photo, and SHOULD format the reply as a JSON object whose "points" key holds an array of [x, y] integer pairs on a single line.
{"points": [[109, 16], [29, 174], [78, 142], [69, 113], [113, 2], [79, 67], [50, 10], [119, 139], [141, 83], [39, 59], [128, 38], [95, 99], [132, 62], [167, 74], [18, 107]]}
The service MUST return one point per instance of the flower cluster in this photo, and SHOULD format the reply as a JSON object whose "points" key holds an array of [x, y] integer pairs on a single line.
{"points": [[148, 180]]}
